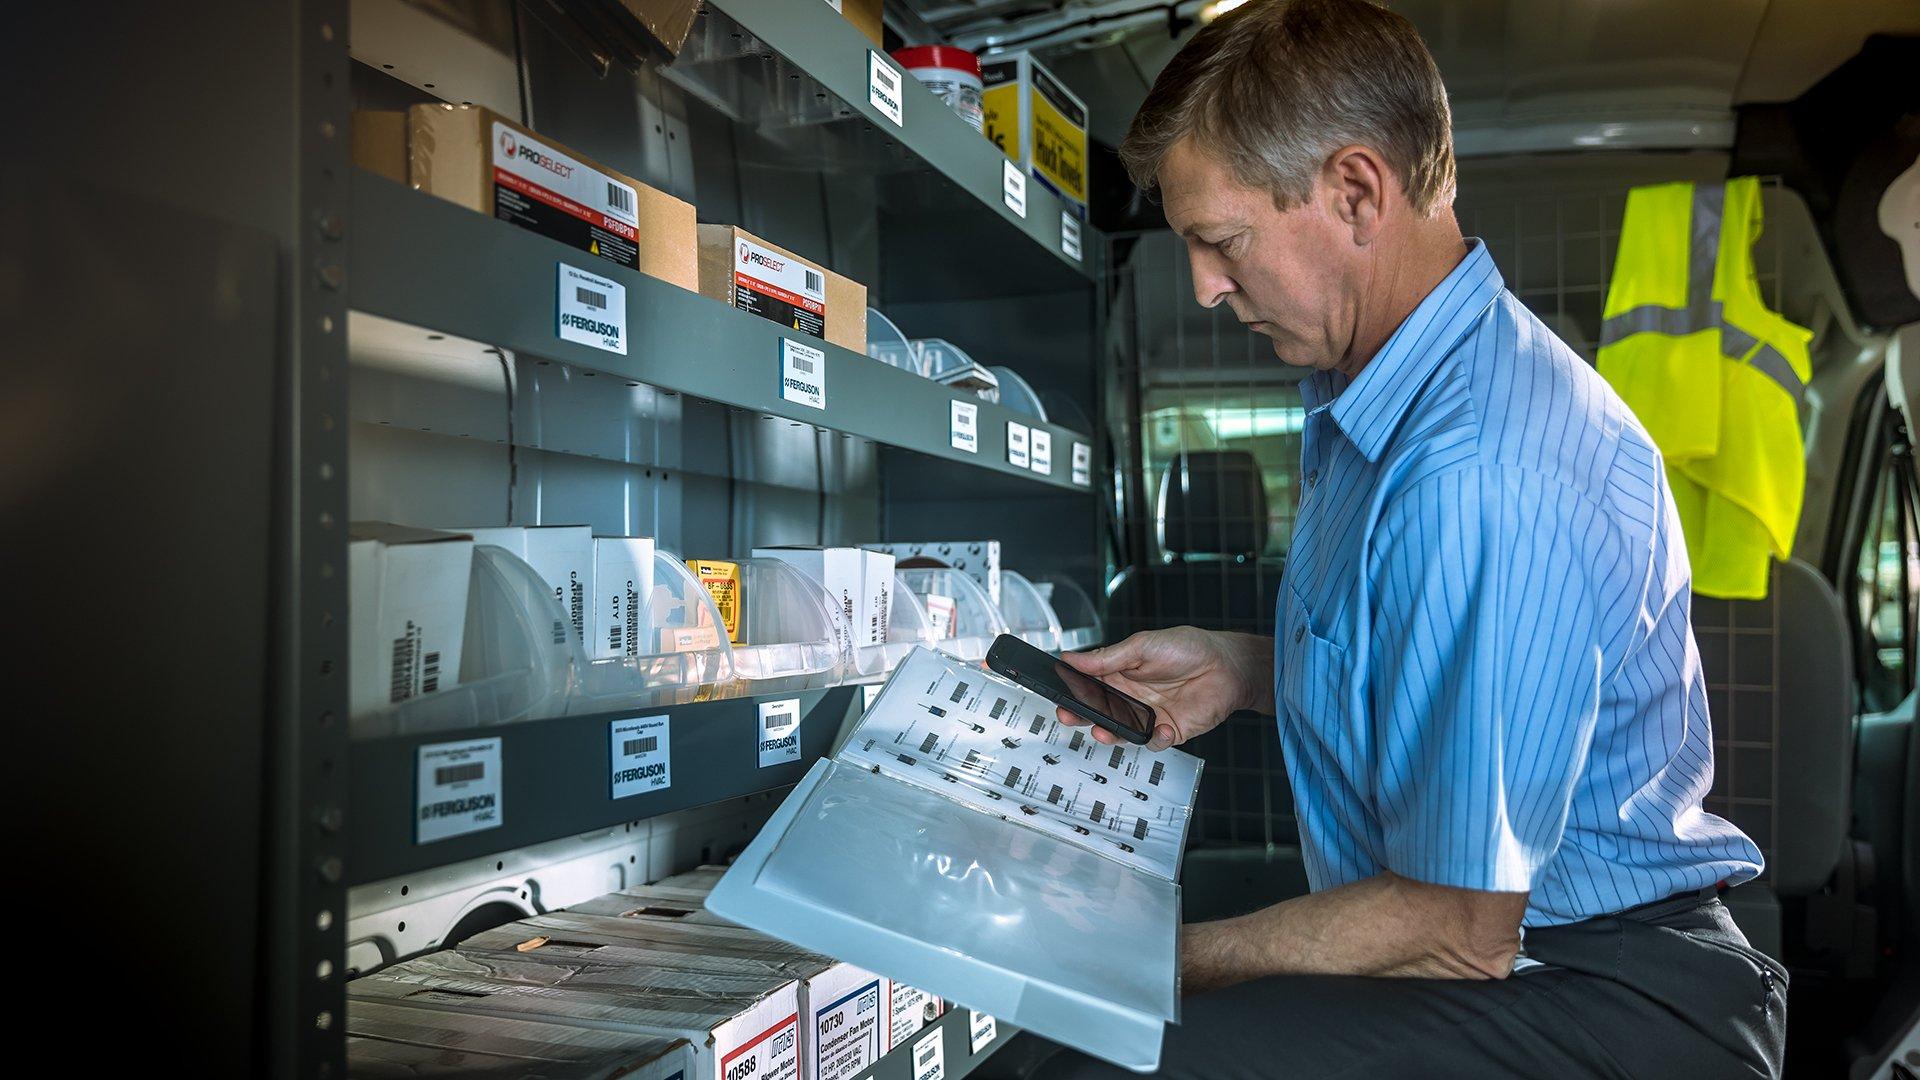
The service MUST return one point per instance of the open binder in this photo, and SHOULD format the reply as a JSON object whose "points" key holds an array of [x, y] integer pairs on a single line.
{"points": [[966, 842]]}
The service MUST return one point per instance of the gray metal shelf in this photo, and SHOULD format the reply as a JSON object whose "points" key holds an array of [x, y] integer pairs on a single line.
{"points": [[555, 777], [813, 45], [425, 261], [954, 1028]]}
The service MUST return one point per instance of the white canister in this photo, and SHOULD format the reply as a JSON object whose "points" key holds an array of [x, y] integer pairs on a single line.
{"points": [[952, 74]]}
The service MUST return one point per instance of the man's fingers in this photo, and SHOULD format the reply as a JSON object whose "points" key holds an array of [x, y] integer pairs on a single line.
{"points": [[1070, 719], [1107, 660], [1163, 737]]}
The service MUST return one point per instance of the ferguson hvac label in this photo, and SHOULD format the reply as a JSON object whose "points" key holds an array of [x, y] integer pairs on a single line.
{"points": [[592, 310], [779, 732], [642, 757], [803, 374], [458, 790]]}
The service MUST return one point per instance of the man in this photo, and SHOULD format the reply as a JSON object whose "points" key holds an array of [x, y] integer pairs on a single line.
{"points": [[1490, 704]]}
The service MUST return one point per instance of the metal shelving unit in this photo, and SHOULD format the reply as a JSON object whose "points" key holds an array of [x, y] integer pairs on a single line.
{"points": [[957, 1052], [555, 781], [427, 262]]}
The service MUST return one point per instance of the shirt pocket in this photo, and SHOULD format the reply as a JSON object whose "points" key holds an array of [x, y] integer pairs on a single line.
{"points": [[1315, 671]]}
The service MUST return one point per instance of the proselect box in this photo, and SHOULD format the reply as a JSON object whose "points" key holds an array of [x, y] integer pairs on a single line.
{"points": [[563, 557], [483, 161], [843, 1008], [388, 1039], [622, 588], [732, 1035], [407, 612], [863, 14], [740, 269], [1035, 120], [859, 580]]}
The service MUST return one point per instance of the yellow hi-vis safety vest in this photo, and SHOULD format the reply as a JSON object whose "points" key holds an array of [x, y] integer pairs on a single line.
{"points": [[1715, 376]]}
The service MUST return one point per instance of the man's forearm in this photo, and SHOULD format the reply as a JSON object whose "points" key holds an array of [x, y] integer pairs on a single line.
{"points": [[1251, 656], [1383, 925]]}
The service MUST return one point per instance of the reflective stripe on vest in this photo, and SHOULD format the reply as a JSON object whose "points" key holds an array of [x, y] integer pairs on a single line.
{"points": [[1703, 312]]}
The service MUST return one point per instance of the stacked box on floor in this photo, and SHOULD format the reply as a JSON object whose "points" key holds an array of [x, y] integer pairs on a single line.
{"points": [[398, 1040], [733, 1029]]}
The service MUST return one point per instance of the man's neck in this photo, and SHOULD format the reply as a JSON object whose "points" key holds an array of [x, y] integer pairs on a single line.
{"points": [[1401, 276]]}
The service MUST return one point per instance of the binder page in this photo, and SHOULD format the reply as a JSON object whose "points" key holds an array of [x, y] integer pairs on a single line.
{"points": [[946, 725]]}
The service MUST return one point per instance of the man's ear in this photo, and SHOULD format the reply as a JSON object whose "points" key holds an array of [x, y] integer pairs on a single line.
{"points": [[1356, 182]]}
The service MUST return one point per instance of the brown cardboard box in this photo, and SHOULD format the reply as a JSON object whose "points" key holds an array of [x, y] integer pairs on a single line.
{"points": [[483, 161], [669, 21], [739, 268], [380, 143], [864, 15]]}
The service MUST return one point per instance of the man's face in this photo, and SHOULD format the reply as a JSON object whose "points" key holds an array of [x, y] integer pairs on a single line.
{"points": [[1284, 274]]}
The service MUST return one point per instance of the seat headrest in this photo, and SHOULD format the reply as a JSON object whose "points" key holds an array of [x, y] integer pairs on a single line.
{"points": [[1212, 502]]}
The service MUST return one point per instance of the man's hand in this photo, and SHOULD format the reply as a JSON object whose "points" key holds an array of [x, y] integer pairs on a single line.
{"points": [[1193, 678]]}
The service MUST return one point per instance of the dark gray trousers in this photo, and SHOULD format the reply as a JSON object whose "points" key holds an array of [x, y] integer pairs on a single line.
{"points": [[1670, 989]]}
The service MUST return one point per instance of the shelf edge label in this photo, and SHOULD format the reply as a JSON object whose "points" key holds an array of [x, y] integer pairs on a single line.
{"points": [[457, 789], [964, 426], [1070, 235], [1013, 187], [803, 374], [779, 732], [883, 88], [1082, 464], [1040, 444], [930, 1056], [641, 755], [980, 1032], [591, 310], [1017, 443]]}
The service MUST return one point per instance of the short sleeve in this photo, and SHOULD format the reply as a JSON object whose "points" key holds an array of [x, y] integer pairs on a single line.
{"points": [[1487, 593]]}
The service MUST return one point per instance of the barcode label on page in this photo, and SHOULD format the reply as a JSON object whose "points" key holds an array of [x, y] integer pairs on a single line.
{"points": [[927, 744], [1099, 811], [1140, 829], [456, 774], [641, 755], [641, 746], [592, 298], [1159, 770], [1113, 762], [1053, 796], [1038, 723], [1013, 776]]}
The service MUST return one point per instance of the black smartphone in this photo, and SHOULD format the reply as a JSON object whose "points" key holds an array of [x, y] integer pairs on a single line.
{"points": [[1082, 695]]}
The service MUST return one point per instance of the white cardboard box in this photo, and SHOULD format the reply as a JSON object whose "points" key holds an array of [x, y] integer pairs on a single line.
{"points": [[407, 597], [563, 557], [622, 587], [978, 559], [860, 581], [386, 1039], [725, 1029]]}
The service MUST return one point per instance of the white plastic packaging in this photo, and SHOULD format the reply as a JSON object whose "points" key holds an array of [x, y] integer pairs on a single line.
{"points": [[685, 656], [789, 632], [888, 345], [949, 365], [963, 620], [1029, 617], [1080, 625], [907, 629]]}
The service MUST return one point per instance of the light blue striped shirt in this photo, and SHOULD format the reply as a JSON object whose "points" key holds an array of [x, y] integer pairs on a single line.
{"points": [[1485, 669]]}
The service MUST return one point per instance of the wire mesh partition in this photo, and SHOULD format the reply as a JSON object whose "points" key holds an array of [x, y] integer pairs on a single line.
{"points": [[1212, 406]]}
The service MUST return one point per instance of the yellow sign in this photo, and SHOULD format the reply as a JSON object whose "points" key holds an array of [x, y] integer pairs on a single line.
{"points": [[722, 582]]}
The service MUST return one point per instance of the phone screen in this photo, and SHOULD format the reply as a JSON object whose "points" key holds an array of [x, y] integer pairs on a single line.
{"points": [[1018, 660]]}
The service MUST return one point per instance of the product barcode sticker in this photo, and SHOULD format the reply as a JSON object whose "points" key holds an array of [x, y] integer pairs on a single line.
{"points": [[883, 88], [803, 374], [940, 612], [779, 731], [1082, 464], [1069, 235], [930, 1056], [1017, 443], [457, 789], [1013, 187], [591, 310], [642, 755], [964, 429], [1041, 444], [980, 1032]]}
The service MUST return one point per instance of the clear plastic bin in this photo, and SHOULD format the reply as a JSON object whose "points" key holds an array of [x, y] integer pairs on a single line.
{"points": [[962, 617], [1029, 617], [888, 345], [907, 627], [690, 658], [516, 659], [1017, 394], [1080, 625], [790, 632], [950, 365]]}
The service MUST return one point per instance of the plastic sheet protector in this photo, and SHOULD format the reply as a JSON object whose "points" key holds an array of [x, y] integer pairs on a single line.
{"points": [[966, 842]]}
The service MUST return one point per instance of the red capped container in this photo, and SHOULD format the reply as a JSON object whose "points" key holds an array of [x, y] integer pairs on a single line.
{"points": [[952, 74]]}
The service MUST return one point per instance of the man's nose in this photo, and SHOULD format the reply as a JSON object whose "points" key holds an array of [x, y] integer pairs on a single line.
{"points": [[1211, 283]]}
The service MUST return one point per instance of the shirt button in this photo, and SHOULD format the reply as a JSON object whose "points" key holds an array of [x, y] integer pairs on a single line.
{"points": [[1299, 632], [1312, 479]]}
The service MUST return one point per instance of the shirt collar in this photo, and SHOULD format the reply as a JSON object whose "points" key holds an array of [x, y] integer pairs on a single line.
{"points": [[1368, 407]]}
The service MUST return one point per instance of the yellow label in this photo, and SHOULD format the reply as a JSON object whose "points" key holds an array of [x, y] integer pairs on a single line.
{"points": [[1059, 148], [1001, 108], [722, 582]]}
